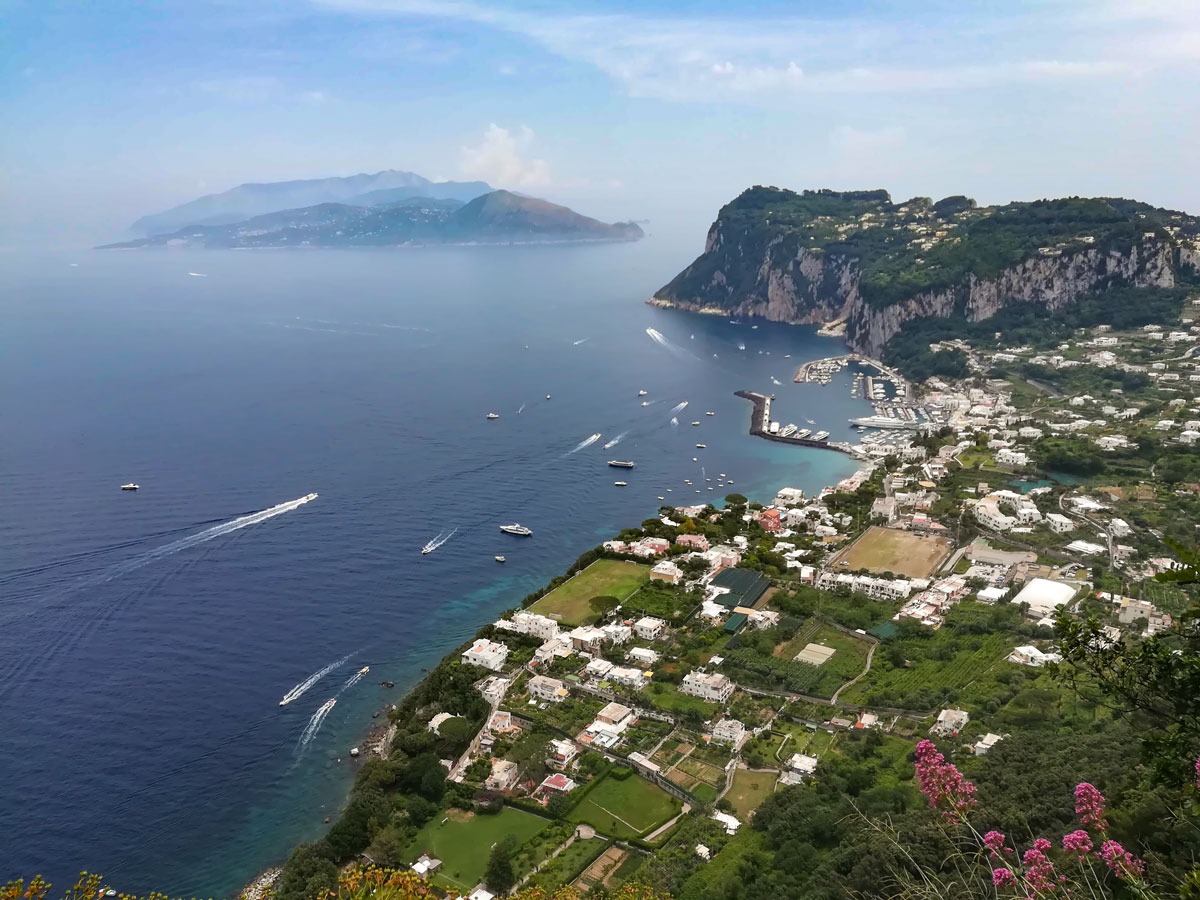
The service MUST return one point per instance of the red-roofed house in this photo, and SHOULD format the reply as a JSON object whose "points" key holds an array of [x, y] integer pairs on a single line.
{"points": [[769, 520], [698, 541], [557, 782]]}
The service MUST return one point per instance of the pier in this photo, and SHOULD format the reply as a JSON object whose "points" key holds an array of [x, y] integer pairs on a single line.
{"points": [[760, 419]]}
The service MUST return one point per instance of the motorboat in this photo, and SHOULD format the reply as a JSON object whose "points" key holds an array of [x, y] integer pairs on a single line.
{"points": [[493, 415], [642, 393], [516, 528], [710, 413], [695, 423], [620, 483], [621, 463], [498, 558], [129, 487], [702, 446]]}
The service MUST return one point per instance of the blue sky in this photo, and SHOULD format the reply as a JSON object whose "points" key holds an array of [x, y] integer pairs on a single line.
{"points": [[649, 110]]}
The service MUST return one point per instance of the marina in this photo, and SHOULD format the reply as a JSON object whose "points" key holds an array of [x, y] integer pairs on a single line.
{"points": [[761, 426]]}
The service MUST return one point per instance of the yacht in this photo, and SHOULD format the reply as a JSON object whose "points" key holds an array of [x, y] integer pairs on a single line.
{"points": [[820, 435], [129, 487], [493, 415], [516, 528], [621, 463], [642, 393], [498, 558], [620, 483]]}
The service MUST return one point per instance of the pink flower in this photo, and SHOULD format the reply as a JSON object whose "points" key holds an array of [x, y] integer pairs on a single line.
{"points": [[1003, 877], [942, 783], [1198, 773], [1121, 861], [1042, 845], [1039, 871], [1089, 806], [1077, 842], [994, 841]]}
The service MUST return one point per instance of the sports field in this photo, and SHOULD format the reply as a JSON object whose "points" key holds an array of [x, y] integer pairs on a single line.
{"points": [[463, 841], [625, 807], [570, 603], [748, 790], [905, 553]]}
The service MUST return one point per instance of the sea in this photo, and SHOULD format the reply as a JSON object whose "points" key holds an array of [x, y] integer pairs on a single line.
{"points": [[147, 637]]}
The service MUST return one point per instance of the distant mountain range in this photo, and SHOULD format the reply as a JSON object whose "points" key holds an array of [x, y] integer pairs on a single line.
{"points": [[248, 200], [493, 217]]}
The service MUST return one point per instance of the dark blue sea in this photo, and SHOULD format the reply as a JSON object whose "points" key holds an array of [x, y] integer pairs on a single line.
{"points": [[146, 638]]}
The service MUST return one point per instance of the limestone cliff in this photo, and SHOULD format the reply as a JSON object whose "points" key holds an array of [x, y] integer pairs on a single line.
{"points": [[823, 256]]}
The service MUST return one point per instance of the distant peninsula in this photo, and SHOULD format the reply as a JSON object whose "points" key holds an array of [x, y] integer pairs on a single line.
{"points": [[378, 218], [872, 268]]}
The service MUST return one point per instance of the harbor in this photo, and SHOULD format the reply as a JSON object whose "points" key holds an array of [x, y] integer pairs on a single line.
{"points": [[761, 426]]}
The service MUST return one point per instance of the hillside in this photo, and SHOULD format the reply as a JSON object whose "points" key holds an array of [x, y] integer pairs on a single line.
{"points": [[499, 217], [822, 256], [248, 200]]}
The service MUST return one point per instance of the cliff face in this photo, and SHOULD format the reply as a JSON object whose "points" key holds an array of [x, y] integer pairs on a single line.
{"points": [[806, 268]]}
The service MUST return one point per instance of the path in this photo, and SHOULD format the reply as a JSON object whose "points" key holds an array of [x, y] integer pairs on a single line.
{"points": [[668, 824], [859, 676], [585, 832]]}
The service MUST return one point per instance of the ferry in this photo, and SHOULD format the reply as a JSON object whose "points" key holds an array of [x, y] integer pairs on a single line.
{"points": [[129, 487], [493, 415], [820, 435], [620, 483], [498, 558], [642, 393], [516, 528], [621, 463]]}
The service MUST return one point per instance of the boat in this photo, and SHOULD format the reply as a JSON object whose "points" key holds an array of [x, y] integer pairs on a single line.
{"points": [[364, 670], [820, 435], [493, 415], [516, 528], [498, 558], [642, 393], [662, 498], [645, 403], [695, 423], [695, 460], [547, 396], [129, 487], [620, 483], [428, 548], [710, 413], [621, 463], [702, 446]]}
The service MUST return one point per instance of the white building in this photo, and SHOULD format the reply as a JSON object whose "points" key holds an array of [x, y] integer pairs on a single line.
{"points": [[530, 623], [986, 743], [617, 633], [729, 731], [1044, 596], [504, 775], [1032, 656], [627, 676], [1008, 457], [1119, 528], [643, 656], [649, 628], [789, 496], [950, 721], [598, 668], [544, 688], [1059, 523], [489, 654], [715, 688]]}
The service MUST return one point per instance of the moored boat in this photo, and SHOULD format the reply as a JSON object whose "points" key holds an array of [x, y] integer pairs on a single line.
{"points": [[516, 528]]}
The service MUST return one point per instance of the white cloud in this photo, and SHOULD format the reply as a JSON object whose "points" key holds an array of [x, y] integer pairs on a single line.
{"points": [[769, 58], [499, 160]]}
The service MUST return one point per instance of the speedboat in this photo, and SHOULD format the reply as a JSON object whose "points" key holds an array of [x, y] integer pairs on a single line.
{"points": [[516, 528], [645, 403], [364, 670], [129, 487], [641, 393], [547, 396], [427, 549], [498, 558], [620, 483], [710, 414], [695, 423], [702, 446], [493, 415], [621, 463], [662, 498]]}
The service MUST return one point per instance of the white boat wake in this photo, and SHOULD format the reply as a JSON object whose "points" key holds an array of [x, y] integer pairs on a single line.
{"points": [[586, 442], [581, 341], [741, 346], [679, 407], [300, 689], [207, 535], [521, 409], [314, 724], [775, 380], [674, 421], [615, 440], [439, 540], [197, 274], [354, 679]]}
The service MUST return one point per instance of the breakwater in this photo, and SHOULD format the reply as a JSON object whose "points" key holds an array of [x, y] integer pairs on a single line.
{"points": [[760, 418]]}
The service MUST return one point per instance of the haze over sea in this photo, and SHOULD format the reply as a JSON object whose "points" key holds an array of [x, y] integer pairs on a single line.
{"points": [[140, 677]]}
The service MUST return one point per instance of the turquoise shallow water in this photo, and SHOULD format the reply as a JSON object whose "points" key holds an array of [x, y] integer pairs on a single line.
{"points": [[146, 638]]}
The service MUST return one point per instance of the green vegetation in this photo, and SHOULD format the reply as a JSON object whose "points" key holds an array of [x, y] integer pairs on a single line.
{"points": [[572, 602], [749, 790], [463, 841], [626, 807]]}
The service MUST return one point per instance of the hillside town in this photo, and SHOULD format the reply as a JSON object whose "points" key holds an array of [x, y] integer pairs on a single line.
{"points": [[692, 667]]}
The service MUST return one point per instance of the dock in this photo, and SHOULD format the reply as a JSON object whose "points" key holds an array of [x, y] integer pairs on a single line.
{"points": [[760, 419]]}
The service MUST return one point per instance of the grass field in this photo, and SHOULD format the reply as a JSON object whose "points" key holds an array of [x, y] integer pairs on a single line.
{"points": [[570, 603], [569, 864], [748, 790], [463, 841], [667, 696], [625, 807], [890, 550]]}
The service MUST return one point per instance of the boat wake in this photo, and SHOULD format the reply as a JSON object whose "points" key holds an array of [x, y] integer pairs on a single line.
{"points": [[586, 442], [674, 421], [581, 341], [438, 541], [314, 724], [300, 689], [679, 407], [615, 440], [521, 409], [775, 380], [197, 274], [207, 535], [354, 679]]}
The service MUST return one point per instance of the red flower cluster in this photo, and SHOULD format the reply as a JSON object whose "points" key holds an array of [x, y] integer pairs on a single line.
{"points": [[1089, 806], [942, 783]]}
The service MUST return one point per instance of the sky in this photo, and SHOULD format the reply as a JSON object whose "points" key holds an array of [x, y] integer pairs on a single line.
{"points": [[647, 110]]}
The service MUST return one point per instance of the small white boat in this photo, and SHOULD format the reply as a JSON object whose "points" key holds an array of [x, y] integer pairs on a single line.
{"points": [[645, 403], [710, 414], [695, 423], [498, 558], [695, 460], [364, 670], [702, 446], [662, 498], [547, 396], [620, 483], [493, 415], [642, 393], [516, 528], [129, 487]]}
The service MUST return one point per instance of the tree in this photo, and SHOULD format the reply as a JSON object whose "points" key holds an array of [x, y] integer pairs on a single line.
{"points": [[736, 500], [558, 805], [499, 874]]}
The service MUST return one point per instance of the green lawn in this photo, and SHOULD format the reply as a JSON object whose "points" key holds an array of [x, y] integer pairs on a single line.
{"points": [[569, 864], [570, 603], [667, 696], [625, 807], [463, 841], [748, 790]]}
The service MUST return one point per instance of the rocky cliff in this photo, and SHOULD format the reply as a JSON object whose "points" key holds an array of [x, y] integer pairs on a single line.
{"points": [[826, 256]]}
